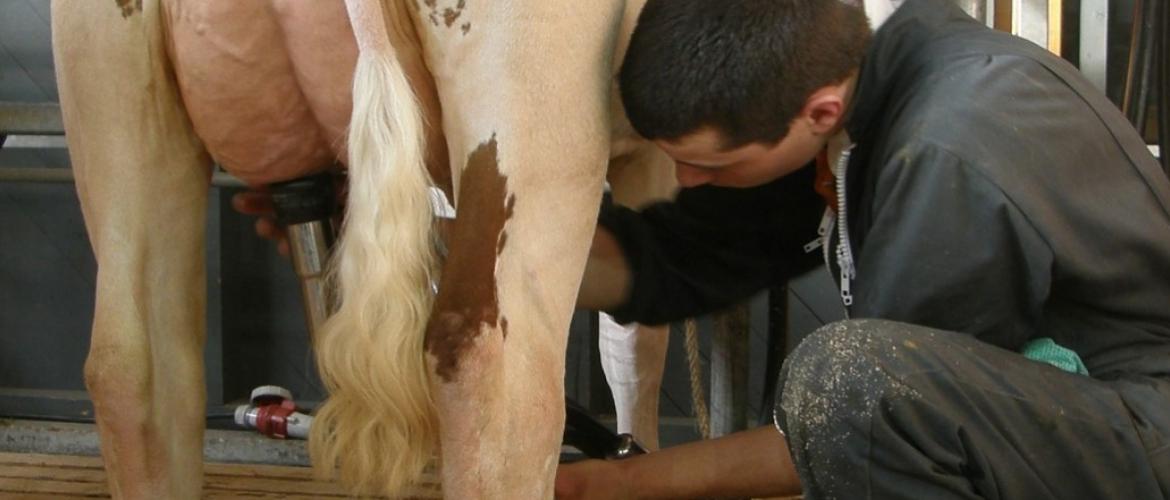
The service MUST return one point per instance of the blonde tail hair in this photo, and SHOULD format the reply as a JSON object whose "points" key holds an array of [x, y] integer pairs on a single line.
{"points": [[378, 429]]}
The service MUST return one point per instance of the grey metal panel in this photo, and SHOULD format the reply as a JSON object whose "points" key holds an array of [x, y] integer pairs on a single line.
{"points": [[1094, 40], [34, 158], [61, 404], [42, 9], [15, 83], [24, 34], [213, 346], [46, 279]]}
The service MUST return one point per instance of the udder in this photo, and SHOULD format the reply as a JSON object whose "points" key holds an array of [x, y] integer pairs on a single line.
{"points": [[266, 83]]}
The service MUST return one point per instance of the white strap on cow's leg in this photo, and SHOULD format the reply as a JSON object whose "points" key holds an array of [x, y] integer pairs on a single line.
{"points": [[633, 357]]}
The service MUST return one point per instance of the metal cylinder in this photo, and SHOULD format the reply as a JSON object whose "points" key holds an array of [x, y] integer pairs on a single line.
{"points": [[305, 206], [729, 371], [310, 243]]}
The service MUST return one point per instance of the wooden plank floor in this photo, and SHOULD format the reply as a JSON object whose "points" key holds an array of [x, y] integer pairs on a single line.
{"points": [[27, 476]]}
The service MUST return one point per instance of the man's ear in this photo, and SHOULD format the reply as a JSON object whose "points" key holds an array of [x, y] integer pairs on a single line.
{"points": [[824, 109]]}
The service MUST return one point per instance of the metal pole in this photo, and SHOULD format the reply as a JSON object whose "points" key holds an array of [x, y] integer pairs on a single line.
{"points": [[1095, 41], [777, 348], [729, 371], [1163, 88], [47, 175], [31, 118], [1030, 20], [1141, 63]]}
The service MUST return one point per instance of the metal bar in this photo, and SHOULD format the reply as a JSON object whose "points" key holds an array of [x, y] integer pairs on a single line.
{"points": [[35, 142], [777, 348], [729, 371], [1004, 16], [1030, 21], [64, 175], [1095, 41], [1056, 26], [1141, 63], [36, 175], [1163, 84], [31, 118], [27, 435]]}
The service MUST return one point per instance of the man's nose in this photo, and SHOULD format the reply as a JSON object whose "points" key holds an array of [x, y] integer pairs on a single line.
{"points": [[689, 176]]}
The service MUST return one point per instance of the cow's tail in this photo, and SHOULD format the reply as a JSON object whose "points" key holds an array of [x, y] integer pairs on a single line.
{"points": [[378, 429]]}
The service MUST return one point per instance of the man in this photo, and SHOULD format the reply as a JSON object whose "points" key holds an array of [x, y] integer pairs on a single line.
{"points": [[996, 216]]}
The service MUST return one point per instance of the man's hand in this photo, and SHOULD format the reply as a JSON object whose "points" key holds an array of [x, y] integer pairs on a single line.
{"points": [[592, 479], [259, 203]]}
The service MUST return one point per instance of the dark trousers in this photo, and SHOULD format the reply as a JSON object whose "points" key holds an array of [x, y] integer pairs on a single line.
{"points": [[877, 409]]}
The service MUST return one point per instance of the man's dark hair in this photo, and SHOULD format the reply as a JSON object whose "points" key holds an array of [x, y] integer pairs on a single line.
{"points": [[742, 67]]}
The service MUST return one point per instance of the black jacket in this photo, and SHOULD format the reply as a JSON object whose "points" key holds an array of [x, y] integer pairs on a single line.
{"points": [[992, 191]]}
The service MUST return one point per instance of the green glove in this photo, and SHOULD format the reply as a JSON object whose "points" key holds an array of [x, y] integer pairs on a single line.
{"points": [[1045, 350]]}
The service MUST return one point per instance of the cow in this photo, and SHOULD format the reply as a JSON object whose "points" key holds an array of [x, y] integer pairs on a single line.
{"points": [[506, 105]]}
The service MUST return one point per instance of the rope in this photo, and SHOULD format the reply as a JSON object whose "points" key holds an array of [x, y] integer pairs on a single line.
{"points": [[698, 402]]}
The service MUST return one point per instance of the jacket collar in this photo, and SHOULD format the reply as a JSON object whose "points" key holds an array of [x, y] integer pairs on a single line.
{"points": [[895, 54]]}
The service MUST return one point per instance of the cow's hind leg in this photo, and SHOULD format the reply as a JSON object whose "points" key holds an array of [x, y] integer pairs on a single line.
{"points": [[533, 145], [142, 179], [634, 356]]}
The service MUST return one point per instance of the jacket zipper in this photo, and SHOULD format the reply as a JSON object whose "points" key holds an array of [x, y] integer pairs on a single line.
{"points": [[844, 248]]}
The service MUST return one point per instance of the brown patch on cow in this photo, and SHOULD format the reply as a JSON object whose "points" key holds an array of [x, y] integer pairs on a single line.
{"points": [[468, 300], [129, 7], [504, 326], [447, 16], [450, 16]]}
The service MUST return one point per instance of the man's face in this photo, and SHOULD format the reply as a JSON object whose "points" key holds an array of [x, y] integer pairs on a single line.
{"points": [[699, 158]]}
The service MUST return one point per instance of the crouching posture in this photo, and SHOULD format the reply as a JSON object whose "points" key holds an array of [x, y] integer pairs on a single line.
{"points": [[999, 233]]}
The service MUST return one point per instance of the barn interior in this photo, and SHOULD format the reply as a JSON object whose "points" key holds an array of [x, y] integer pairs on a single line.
{"points": [[257, 334]]}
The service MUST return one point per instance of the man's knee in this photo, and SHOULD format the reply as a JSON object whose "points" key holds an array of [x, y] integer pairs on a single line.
{"points": [[839, 374]]}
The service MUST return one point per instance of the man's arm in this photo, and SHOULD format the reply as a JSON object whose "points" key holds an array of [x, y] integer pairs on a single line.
{"points": [[607, 274], [708, 249], [753, 463], [948, 249]]}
